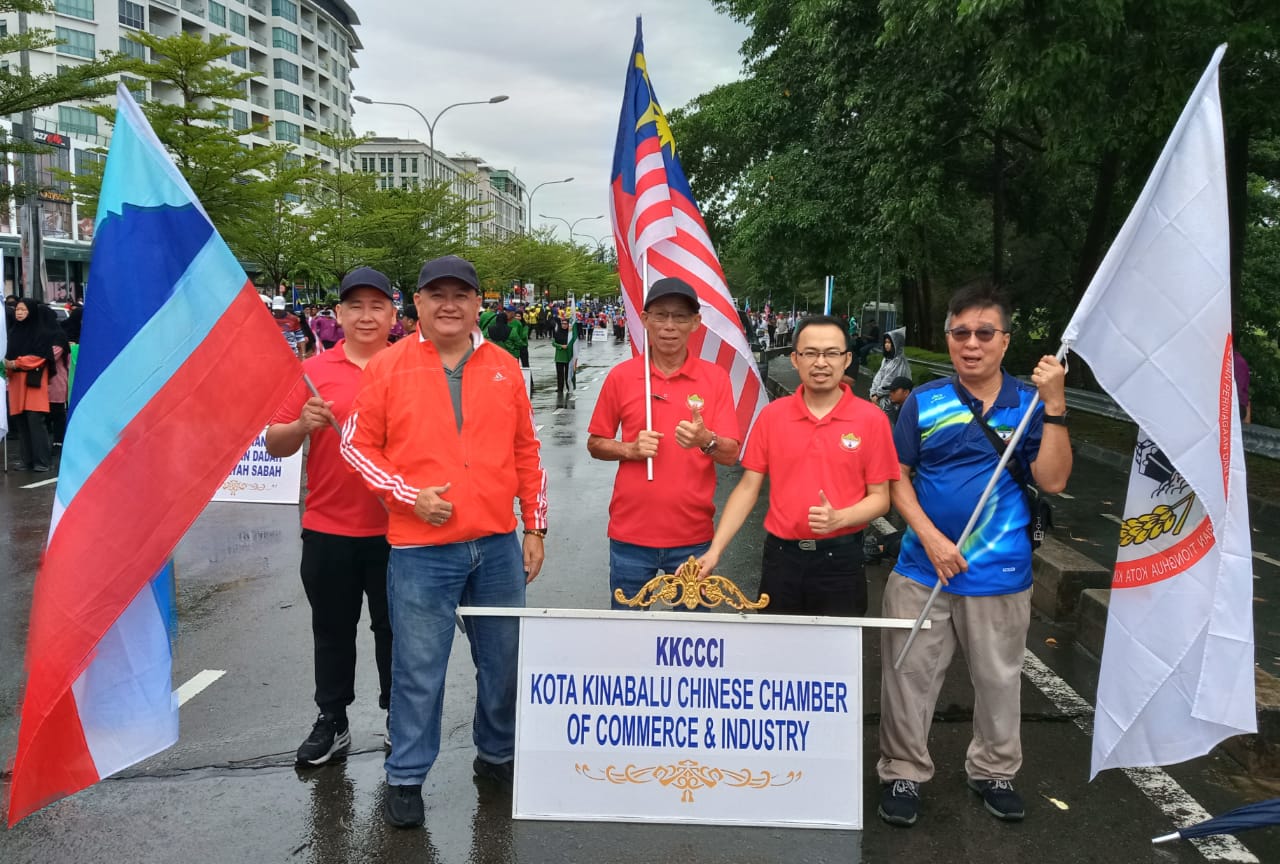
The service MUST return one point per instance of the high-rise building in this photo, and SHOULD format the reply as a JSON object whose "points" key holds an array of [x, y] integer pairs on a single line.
{"points": [[405, 162], [300, 51]]}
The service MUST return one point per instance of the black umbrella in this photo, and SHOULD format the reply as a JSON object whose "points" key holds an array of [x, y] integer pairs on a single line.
{"points": [[1249, 816]]}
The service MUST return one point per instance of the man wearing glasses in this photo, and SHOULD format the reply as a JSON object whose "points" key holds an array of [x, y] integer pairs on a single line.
{"points": [[656, 525], [985, 605], [829, 457]]}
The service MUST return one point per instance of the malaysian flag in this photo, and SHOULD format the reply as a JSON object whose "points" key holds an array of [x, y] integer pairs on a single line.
{"points": [[656, 221]]}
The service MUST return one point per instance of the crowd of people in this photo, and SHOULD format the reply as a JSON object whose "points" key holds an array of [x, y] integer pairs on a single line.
{"points": [[419, 442]]}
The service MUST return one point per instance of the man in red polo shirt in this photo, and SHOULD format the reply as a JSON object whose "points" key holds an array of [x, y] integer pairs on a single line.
{"points": [[695, 428], [344, 525], [829, 456]]}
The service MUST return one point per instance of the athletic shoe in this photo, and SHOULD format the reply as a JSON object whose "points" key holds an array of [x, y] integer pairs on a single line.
{"points": [[329, 737], [900, 802], [1000, 799], [500, 772], [404, 806]]}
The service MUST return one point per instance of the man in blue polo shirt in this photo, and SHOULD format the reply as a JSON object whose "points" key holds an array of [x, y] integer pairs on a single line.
{"points": [[985, 605]]}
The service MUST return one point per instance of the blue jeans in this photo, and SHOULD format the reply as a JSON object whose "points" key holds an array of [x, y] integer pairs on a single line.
{"points": [[631, 566], [425, 586]]}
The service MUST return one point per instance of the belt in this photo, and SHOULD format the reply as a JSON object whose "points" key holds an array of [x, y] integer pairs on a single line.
{"points": [[819, 545]]}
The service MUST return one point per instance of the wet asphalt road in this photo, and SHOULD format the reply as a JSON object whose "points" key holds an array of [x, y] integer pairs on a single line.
{"points": [[228, 790]]}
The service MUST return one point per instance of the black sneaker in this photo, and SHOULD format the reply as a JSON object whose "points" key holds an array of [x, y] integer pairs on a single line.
{"points": [[1000, 799], [501, 772], [900, 802], [329, 737], [404, 806]]}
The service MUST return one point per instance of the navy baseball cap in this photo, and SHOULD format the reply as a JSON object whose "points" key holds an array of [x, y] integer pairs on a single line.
{"points": [[365, 277], [671, 287], [449, 267]]}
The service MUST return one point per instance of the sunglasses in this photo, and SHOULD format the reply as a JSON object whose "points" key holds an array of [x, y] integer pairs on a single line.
{"points": [[984, 334]]}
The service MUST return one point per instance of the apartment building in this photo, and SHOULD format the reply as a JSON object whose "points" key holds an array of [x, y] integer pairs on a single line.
{"points": [[300, 51], [405, 162]]}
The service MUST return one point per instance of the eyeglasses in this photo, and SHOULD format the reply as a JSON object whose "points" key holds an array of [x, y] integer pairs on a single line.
{"points": [[984, 334], [831, 355], [664, 317]]}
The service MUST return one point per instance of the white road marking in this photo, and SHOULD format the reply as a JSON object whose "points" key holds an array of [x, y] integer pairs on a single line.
{"points": [[537, 428], [41, 483], [202, 680], [1113, 517], [1273, 562], [557, 411], [1161, 789]]}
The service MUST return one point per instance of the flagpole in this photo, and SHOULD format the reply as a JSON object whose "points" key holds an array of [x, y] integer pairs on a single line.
{"points": [[1010, 444], [648, 374]]}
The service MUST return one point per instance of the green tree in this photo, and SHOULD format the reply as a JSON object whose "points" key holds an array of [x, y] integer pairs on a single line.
{"points": [[401, 228], [275, 236], [334, 204]]}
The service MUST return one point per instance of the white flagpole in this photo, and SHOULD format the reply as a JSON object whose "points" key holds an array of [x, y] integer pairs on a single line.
{"points": [[648, 373], [977, 511]]}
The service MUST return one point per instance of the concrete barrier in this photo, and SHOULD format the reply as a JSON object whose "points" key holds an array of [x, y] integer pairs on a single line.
{"points": [[1091, 619], [1060, 574]]}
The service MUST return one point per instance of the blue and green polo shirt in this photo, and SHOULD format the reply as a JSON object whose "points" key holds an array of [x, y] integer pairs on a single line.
{"points": [[937, 435]]}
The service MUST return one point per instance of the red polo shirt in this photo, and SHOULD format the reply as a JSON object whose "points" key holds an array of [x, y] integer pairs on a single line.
{"points": [[842, 454], [677, 508], [338, 502]]}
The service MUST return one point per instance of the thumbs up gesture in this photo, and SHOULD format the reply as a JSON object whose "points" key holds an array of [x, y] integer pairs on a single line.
{"points": [[823, 519], [692, 432]]}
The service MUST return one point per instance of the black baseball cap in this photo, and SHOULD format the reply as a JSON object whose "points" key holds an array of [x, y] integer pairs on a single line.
{"points": [[449, 267], [671, 287], [902, 382], [365, 277]]}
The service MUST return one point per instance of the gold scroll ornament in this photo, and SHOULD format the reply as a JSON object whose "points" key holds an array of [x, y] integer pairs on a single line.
{"points": [[687, 587], [689, 775]]}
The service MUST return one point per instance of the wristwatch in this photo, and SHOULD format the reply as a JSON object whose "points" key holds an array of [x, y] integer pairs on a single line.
{"points": [[710, 449], [1056, 419]]}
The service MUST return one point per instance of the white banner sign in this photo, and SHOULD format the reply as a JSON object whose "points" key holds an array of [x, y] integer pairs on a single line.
{"points": [[689, 718], [260, 478]]}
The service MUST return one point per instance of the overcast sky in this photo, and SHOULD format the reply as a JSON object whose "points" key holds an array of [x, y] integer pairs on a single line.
{"points": [[562, 62]]}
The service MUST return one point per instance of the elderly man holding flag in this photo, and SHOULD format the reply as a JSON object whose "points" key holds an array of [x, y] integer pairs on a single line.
{"points": [[950, 436]]}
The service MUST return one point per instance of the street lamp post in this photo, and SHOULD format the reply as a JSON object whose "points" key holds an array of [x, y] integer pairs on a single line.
{"points": [[529, 228], [431, 124], [573, 223]]}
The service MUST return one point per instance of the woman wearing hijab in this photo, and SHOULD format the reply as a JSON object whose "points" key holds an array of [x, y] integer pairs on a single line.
{"points": [[29, 365], [895, 364], [56, 419]]}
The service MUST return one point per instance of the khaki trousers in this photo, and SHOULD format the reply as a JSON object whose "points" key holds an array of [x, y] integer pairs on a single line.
{"points": [[991, 632]]}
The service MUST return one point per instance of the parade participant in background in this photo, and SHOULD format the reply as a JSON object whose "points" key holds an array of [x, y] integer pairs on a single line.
{"points": [[290, 325], [56, 422], [695, 427], [563, 337], [899, 389], [344, 525], [829, 457], [28, 364], [985, 605], [894, 365], [443, 430], [327, 329]]}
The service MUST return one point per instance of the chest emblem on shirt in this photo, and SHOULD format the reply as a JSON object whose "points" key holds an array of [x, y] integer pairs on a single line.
{"points": [[1004, 432], [695, 402], [850, 442], [498, 376]]}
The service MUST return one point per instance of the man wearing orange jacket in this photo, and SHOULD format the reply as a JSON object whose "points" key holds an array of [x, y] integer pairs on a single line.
{"points": [[442, 428]]}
